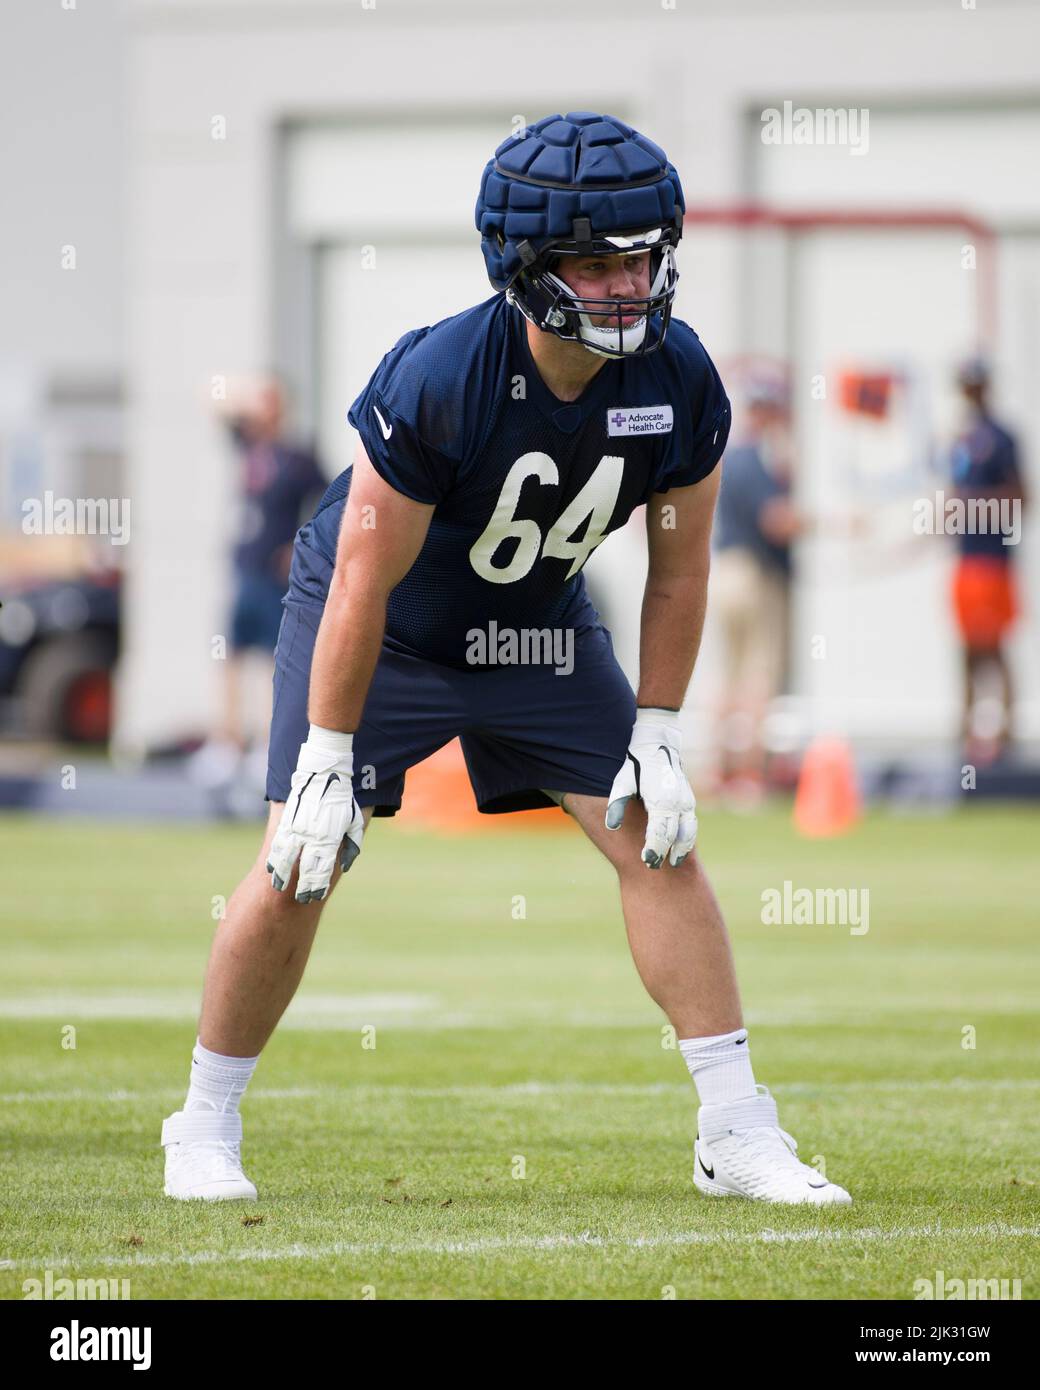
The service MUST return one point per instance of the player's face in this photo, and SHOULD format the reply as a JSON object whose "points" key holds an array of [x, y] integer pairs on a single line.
{"points": [[621, 278]]}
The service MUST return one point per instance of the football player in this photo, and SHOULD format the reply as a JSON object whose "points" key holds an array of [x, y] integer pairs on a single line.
{"points": [[498, 448]]}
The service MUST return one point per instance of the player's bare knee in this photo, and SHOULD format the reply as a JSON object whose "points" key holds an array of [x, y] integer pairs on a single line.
{"points": [[279, 913], [623, 847], [284, 900], [628, 861], [273, 818]]}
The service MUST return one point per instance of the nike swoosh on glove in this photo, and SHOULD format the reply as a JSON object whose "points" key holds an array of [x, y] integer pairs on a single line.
{"points": [[320, 815], [653, 772]]}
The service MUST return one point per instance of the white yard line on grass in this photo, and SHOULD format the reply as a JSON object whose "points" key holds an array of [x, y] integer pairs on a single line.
{"points": [[367, 1093], [318, 1012], [512, 1244], [306, 1011]]}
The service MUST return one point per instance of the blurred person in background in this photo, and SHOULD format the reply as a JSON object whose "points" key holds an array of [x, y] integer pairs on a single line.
{"points": [[984, 466], [755, 525], [276, 480]]}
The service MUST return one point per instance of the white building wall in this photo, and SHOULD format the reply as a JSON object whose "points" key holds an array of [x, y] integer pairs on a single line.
{"points": [[202, 234]]}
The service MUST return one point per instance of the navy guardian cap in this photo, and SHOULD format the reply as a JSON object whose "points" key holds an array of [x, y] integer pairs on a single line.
{"points": [[582, 185]]}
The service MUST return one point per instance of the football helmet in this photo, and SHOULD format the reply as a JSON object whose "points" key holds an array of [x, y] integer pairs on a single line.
{"points": [[582, 185]]}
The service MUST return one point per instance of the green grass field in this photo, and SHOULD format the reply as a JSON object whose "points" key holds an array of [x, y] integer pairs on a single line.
{"points": [[393, 1169]]}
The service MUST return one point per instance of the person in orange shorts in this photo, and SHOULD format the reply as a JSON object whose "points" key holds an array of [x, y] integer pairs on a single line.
{"points": [[986, 474]]}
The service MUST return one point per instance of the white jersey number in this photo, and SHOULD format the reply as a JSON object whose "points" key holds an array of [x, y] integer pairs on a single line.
{"points": [[594, 503]]}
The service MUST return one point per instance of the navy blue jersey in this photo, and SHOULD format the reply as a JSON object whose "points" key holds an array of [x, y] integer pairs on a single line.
{"points": [[747, 486], [984, 462], [524, 485], [276, 481]]}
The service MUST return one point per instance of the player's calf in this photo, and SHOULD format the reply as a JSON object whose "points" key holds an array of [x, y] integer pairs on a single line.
{"points": [[258, 958]]}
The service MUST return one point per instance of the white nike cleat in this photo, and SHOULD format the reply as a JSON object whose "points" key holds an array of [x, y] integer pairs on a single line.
{"points": [[203, 1158], [741, 1151]]}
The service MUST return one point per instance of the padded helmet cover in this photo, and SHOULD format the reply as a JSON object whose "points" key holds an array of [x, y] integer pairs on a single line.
{"points": [[581, 184]]}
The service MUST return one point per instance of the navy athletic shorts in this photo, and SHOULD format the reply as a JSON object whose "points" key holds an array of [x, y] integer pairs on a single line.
{"points": [[522, 727], [256, 611]]}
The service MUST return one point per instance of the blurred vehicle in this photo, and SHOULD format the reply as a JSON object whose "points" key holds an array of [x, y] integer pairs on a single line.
{"points": [[59, 642]]}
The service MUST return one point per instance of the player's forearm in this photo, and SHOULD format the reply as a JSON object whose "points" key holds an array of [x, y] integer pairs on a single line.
{"points": [[346, 650], [669, 639]]}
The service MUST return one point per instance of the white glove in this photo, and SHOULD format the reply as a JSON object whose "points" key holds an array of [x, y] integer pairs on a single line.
{"points": [[320, 815], [653, 772]]}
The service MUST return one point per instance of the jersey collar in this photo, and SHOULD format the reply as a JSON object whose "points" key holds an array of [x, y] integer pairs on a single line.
{"points": [[565, 415]]}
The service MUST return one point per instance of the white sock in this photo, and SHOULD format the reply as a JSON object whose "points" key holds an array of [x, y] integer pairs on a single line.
{"points": [[720, 1067], [218, 1083]]}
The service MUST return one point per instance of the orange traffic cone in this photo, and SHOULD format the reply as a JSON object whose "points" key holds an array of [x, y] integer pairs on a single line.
{"points": [[827, 801], [438, 796], [437, 792]]}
